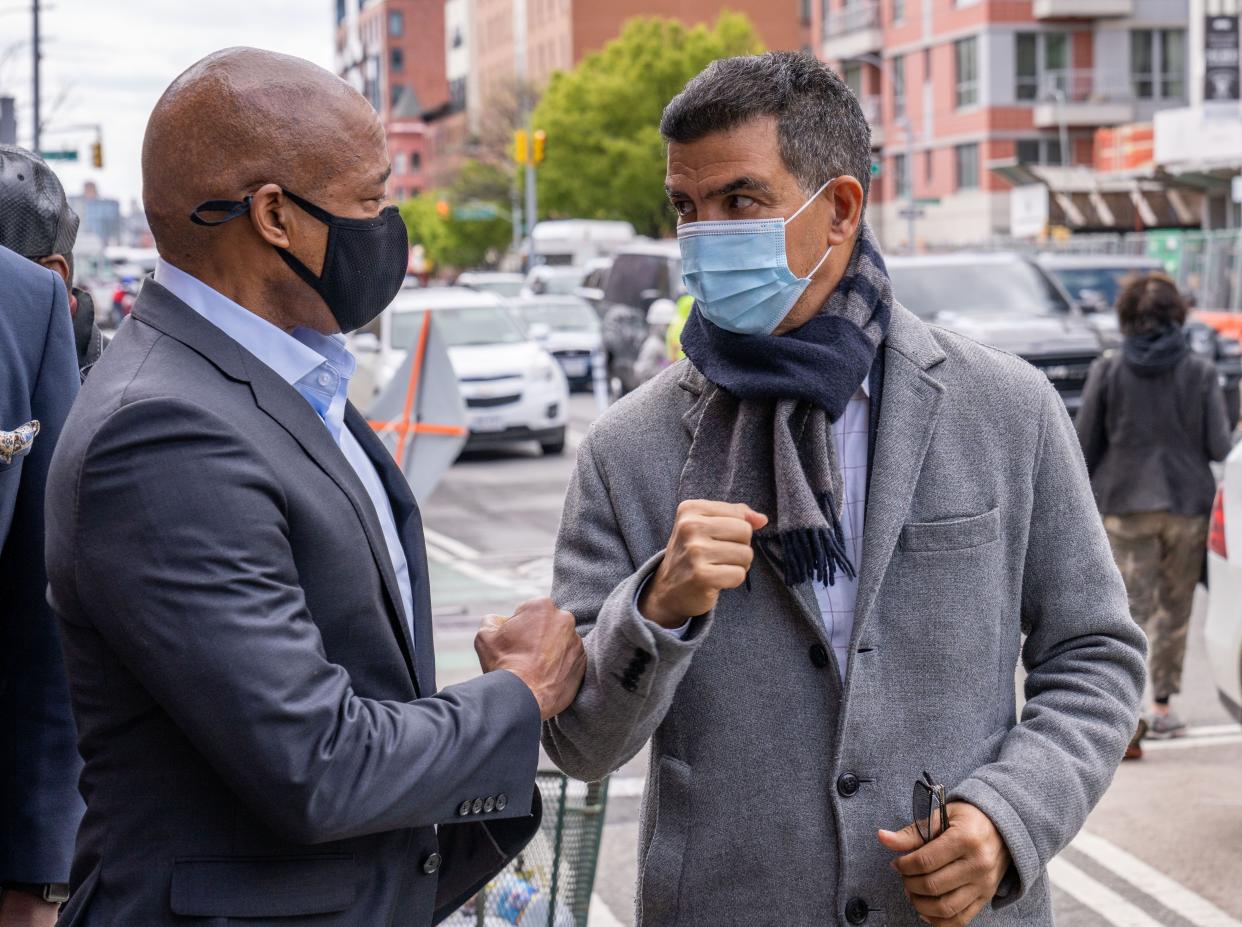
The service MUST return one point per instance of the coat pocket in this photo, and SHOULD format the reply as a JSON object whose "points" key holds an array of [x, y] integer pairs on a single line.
{"points": [[953, 533], [267, 886], [662, 865]]}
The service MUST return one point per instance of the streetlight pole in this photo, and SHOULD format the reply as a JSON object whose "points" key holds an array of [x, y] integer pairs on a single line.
{"points": [[35, 143]]}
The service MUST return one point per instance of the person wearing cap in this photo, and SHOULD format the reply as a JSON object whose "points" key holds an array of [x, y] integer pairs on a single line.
{"points": [[37, 223], [39, 804], [653, 357]]}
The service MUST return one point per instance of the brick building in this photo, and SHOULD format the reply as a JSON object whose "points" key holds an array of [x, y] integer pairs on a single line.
{"points": [[955, 87], [394, 53]]}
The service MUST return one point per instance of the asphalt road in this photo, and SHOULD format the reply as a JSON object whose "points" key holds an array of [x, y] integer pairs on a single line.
{"points": [[1163, 848]]}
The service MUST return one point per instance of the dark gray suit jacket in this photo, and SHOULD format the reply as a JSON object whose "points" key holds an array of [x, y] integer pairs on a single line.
{"points": [[39, 804], [262, 739]]}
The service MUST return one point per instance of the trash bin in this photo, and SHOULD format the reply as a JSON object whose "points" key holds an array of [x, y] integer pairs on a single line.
{"points": [[550, 882]]}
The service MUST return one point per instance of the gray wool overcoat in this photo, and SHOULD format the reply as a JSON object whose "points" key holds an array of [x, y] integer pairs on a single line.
{"points": [[768, 776]]}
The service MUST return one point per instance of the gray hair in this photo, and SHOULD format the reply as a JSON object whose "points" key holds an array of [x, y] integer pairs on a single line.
{"points": [[821, 129]]}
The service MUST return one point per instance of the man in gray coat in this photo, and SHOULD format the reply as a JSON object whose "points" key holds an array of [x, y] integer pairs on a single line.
{"points": [[808, 559]]}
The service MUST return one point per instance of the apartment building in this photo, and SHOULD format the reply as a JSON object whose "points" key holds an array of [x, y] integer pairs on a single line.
{"points": [[394, 52], [955, 87]]}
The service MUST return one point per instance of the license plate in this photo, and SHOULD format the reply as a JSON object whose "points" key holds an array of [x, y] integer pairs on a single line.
{"points": [[576, 367], [488, 423]]}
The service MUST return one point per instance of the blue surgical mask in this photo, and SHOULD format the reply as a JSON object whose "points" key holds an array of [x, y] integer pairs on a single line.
{"points": [[738, 272]]}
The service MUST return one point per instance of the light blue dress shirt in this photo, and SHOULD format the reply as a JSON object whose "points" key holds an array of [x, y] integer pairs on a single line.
{"points": [[317, 366]]}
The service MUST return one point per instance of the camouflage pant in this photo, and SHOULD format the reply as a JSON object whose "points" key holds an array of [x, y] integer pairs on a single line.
{"points": [[1160, 555]]}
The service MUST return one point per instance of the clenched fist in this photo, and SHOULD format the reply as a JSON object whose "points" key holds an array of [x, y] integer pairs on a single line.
{"points": [[538, 645], [709, 551]]}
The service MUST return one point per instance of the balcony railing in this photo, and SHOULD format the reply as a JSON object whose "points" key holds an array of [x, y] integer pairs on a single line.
{"points": [[852, 18], [1083, 98]]}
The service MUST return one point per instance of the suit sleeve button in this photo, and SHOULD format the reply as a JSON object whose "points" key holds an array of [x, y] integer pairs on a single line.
{"points": [[502, 801], [476, 806], [431, 865], [464, 808], [489, 805]]}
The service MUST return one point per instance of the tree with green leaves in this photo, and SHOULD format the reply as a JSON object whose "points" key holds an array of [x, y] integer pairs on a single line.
{"points": [[466, 224], [605, 157]]}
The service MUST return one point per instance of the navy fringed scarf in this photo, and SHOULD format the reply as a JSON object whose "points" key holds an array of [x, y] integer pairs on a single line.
{"points": [[762, 427]]}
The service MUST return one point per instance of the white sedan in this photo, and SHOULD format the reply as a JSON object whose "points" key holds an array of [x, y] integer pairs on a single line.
{"points": [[513, 389], [1224, 619]]}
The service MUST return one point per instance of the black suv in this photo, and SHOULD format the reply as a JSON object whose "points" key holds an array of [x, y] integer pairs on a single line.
{"points": [[641, 273], [1005, 300]]}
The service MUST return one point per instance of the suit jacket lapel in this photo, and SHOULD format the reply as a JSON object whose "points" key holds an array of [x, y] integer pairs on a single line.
{"points": [[160, 309], [410, 529], [909, 405]]}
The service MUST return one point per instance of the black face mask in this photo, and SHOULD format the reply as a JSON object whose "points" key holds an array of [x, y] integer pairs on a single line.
{"points": [[364, 264]]}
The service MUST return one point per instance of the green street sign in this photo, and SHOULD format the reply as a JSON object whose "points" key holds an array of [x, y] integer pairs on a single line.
{"points": [[476, 212], [928, 201], [59, 155]]}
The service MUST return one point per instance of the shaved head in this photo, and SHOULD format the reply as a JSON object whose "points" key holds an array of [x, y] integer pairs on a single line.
{"points": [[243, 117], [247, 122]]}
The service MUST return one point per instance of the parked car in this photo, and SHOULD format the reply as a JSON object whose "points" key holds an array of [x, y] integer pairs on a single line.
{"points": [[1094, 282], [486, 281], [641, 273], [514, 390], [552, 280], [1006, 300], [1224, 613], [565, 326], [592, 287]]}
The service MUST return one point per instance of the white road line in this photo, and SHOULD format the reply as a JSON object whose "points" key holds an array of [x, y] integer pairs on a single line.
{"points": [[626, 787], [515, 586], [1173, 895], [1187, 743], [601, 915], [1098, 897], [450, 545]]}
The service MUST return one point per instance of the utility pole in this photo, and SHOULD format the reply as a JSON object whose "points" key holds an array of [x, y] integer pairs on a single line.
{"points": [[519, 59], [36, 56]]}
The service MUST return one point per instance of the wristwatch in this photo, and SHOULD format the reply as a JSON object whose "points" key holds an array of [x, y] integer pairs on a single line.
{"points": [[51, 892]]}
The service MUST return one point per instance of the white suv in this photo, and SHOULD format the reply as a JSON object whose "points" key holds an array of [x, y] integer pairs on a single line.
{"points": [[1224, 619]]}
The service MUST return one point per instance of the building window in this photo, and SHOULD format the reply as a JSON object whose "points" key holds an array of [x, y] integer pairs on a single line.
{"points": [[966, 56], [967, 157], [929, 166], [458, 39], [396, 22], [396, 60], [899, 11], [1040, 151], [927, 65], [804, 11], [1041, 65], [340, 11], [416, 161], [899, 86], [398, 163], [395, 92], [1158, 63], [901, 177], [852, 75]]}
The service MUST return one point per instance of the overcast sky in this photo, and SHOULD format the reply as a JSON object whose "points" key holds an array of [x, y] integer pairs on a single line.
{"points": [[111, 60]]}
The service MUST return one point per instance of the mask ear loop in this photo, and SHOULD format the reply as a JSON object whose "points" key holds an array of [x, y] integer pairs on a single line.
{"points": [[231, 209], [801, 209]]}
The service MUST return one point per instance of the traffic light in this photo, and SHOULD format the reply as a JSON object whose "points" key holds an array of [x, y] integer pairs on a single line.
{"points": [[520, 146], [97, 154], [541, 143], [443, 209]]}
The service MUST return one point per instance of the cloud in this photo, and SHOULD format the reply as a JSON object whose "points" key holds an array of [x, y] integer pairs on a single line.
{"points": [[111, 60]]}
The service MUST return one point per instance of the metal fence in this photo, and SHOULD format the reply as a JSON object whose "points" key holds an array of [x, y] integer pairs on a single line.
{"points": [[550, 882], [1206, 265]]}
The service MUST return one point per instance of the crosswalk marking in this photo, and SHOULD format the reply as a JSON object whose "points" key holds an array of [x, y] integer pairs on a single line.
{"points": [[1151, 881], [1098, 897]]}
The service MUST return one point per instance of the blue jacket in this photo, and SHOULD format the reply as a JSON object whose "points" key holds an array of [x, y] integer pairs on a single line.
{"points": [[39, 804]]}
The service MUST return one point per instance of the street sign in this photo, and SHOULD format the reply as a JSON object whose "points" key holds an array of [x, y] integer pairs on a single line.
{"points": [[1028, 210], [476, 212], [927, 201], [908, 213], [1220, 59], [59, 155]]}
